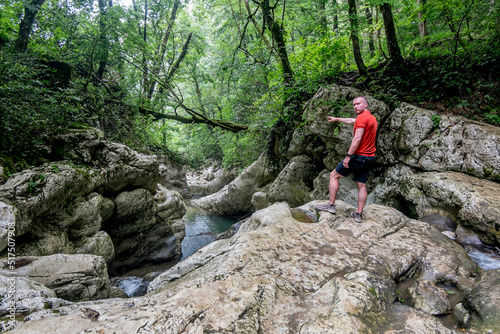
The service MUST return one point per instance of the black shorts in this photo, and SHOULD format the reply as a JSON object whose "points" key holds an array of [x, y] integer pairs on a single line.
{"points": [[359, 165]]}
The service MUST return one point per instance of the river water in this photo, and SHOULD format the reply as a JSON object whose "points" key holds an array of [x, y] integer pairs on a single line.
{"points": [[201, 229]]}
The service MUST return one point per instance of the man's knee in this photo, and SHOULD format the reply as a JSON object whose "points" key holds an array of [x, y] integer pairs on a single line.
{"points": [[335, 175], [361, 185]]}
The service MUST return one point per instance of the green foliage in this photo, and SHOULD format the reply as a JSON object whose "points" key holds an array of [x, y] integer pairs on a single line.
{"points": [[436, 119], [319, 62], [35, 185], [230, 72], [32, 104]]}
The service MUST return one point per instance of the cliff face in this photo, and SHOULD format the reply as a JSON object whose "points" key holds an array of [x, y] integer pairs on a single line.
{"points": [[111, 205]]}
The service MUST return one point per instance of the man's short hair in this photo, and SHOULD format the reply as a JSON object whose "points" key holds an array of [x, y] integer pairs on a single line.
{"points": [[362, 97]]}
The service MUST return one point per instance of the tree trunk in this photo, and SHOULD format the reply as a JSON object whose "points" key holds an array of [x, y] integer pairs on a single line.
{"points": [[161, 54], [422, 22], [283, 128], [103, 48], [176, 64], [145, 71], [390, 32], [335, 16], [215, 148], [30, 11], [322, 13], [377, 34], [279, 39], [369, 20], [353, 20]]}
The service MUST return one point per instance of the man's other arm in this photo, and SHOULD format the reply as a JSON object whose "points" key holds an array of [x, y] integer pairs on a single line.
{"points": [[358, 135]]}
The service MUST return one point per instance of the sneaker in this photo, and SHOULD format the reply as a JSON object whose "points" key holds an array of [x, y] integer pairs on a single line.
{"points": [[326, 207], [358, 217]]}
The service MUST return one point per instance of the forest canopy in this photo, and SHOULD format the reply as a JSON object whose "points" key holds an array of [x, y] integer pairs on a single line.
{"points": [[224, 80]]}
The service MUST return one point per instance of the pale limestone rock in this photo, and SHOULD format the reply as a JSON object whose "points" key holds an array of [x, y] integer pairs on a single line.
{"points": [[158, 239], [83, 218], [485, 301], [123, 168], [471, 201], [209, 180], [79, 145], [422, 138], [173, 176], [60, 205], [107, 208], [277, 275], [467, 237], [72, 277], [450, 234], [235, 198], [30, 296], [260, 200], [7, 222], [293, 183], [347, 192], [461, 314], [132, 204], [170, 203], [98, 244], [429, 298], [338, 98], [466, 200]]}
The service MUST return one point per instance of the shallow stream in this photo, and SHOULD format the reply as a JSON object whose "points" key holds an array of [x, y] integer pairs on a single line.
{"points": [[201, 229]]}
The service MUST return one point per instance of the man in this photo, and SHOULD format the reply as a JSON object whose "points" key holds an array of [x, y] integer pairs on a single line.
{"points": [[359, 157]]}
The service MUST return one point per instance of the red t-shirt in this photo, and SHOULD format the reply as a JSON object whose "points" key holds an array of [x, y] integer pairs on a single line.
{"points": [[367, 145]]}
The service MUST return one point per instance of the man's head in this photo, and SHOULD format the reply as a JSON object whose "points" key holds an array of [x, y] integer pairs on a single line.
{"points": [[359, 104]]}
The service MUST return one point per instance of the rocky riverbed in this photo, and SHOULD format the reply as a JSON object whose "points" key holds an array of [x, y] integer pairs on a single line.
{"points": [[279, 275]]}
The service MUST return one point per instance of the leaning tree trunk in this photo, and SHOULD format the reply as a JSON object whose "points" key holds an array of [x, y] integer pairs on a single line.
{"points": [[390, 32], [353, 20], [30, 11]]}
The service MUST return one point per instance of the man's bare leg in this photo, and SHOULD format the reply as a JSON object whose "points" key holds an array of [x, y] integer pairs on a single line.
{"points": [[362, 195], [333, 186]]}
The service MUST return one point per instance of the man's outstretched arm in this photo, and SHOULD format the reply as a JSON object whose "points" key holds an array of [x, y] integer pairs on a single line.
{"points": [[349, 121]]}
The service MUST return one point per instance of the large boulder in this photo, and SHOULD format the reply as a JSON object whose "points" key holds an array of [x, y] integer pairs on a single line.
{"points": [[426, 140], [146, 228], [76, 277], [484, 302], [173, 176], [7, 222], [294, 183], [236, 197], [209, 181], [465, 199], [23, 296], [279, 275], [102, 207]]}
